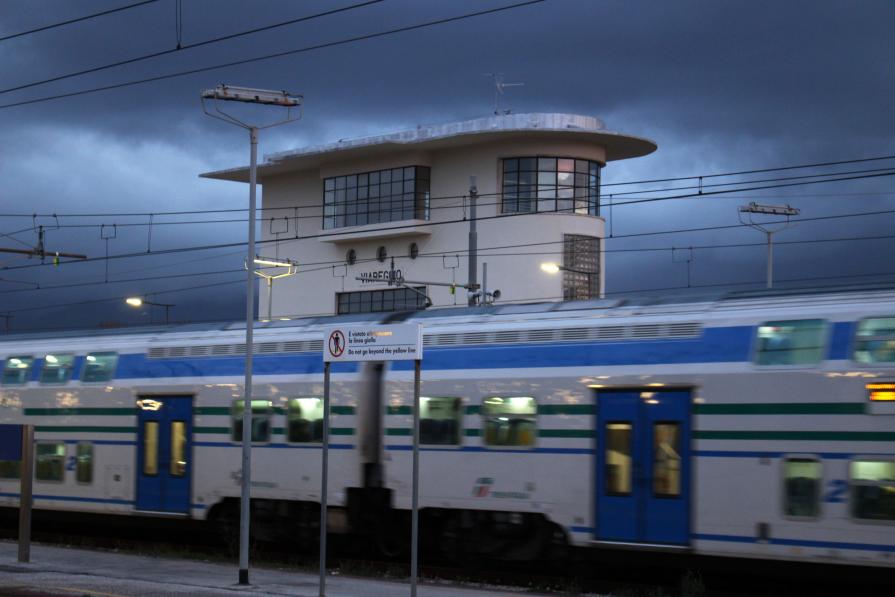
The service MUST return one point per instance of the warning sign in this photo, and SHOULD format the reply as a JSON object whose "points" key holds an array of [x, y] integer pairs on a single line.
{"points": [[373, 343]]}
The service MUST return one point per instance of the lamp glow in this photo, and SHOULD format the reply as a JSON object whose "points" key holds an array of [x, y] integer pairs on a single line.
{"points": [[134, 301], [550, 268]]}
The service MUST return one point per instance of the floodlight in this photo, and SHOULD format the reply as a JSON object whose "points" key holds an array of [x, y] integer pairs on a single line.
{"points": [[134, 301], [550, 268], [273, 261], [253, 96], [772, 210]]}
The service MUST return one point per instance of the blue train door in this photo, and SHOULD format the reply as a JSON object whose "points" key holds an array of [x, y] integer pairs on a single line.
{"points": [[164, 453], [643, 466]]}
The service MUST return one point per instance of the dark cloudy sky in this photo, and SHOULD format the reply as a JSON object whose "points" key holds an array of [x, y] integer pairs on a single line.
{"points": [[720, 86]]}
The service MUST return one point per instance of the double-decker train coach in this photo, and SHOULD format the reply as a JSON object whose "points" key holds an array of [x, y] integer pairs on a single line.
{"points": [[754, 425]]}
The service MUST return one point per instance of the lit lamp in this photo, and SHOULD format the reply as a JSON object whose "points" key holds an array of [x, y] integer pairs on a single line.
{"points": [[555, 268], [136, 301], [291, 270]]}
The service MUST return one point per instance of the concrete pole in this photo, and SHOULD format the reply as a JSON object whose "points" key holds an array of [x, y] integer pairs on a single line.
{"points": [[770, 260], [245, 510], [324, 479], [472, 283]]}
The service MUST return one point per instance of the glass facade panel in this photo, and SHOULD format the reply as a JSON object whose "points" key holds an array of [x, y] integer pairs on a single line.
{"points": [[796, 342], [802, 479], [84, 463], [550, 184], [875, 340], [378, 301], [17, 370], [618, 458], [873, 489], [666, 460], [99, 366], [178, 448], [376, 197], [304, 418], [49, 461], [440, 421], [510, 421], [261, 411], [581, 258], [150, 448], [56, 368]]}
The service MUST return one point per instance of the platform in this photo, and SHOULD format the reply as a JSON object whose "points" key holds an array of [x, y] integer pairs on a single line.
{"points": [[67, 572]]}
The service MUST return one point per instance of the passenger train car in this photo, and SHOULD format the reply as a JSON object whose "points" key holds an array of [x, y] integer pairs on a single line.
{"points": [[748, 426]]}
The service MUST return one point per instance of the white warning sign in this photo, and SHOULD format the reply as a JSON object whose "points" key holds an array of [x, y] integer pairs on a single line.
{"points": [[373, 343]]}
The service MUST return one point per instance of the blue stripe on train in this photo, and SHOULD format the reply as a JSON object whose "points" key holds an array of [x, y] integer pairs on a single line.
{"points": [[795, 542]]}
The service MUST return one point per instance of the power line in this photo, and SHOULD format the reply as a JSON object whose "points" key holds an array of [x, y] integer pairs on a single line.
{"points": [[76, 20], [187, 47], [274, 55]]}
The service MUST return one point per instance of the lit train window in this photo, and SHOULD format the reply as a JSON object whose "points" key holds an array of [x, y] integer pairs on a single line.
{"points": [[17, 370], [872, 485], [795, 342], [667, 459], [802, 479], [618, 458], [178, 448], [875, 340], [261, 411], [49, 461], [304, 419], [440, 421], [510, 421], [84, 463], [99, 366], [56, 369]]}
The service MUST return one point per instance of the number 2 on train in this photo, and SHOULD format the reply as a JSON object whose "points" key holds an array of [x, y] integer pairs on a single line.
{"points": [[836, 490]]}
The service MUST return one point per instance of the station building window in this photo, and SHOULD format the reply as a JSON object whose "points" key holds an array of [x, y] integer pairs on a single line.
{"points": [[795, 342], [875, 340], [509, 421], [304, 420], [440, 420], [17, 370], [375, 197], [49, 461], [56, 369], [802, 480], [872, 485], [99, 366], [378, 301], [84, 463], [261, 413], [536, 184], [581, 281]]}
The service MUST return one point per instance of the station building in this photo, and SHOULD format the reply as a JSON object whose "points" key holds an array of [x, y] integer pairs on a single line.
{"points": [[359, 213]]}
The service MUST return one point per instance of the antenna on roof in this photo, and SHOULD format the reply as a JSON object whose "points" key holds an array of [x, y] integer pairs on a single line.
{"points": [[499, 86]]}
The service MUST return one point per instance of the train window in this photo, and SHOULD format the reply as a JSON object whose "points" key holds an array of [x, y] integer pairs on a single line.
{"points": [[440, 421], [17, 370], [150, 448], [56, 368], [178, 448], [795, 342], [875, 340], [49, 461], [304, 420], [99, 366], [10, 469], [261, 410], [667, 459], [873, 489], [510, 421], [802, 479], [618, 458], [84, 463]]}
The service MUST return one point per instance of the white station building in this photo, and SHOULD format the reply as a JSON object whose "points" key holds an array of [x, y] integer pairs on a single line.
{"points": [[360, 213]]}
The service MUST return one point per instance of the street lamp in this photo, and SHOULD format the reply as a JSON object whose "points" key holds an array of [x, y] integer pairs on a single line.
{"points": [[136, 301], [554, 268], [768, 210], [283, 99], [291, 270]]}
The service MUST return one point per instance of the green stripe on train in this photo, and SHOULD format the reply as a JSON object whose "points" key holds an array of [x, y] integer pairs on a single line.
{"points": [[836, 436], [276, 430], [100, 412], [783, 408], [577, 433]]}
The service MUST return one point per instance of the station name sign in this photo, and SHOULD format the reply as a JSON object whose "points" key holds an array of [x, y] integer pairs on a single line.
{"points": [[373, 343]]}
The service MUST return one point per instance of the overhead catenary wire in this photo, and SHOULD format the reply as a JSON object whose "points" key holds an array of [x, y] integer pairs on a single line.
{"points": [[76, 20], [274, 55]]}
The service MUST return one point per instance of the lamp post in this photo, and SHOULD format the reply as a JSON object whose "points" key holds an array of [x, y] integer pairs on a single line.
{"points": [[769, 210], [283, 99], [291, 270], [555, 268], [136, 301]]}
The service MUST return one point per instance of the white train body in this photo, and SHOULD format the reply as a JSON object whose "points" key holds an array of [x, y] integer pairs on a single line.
{"points": [[756, 456]]}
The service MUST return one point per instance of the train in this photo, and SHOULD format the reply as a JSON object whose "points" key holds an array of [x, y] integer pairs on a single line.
{"points": [[748, 425]]}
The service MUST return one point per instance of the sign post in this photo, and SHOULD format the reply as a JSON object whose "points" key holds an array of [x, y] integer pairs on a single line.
{"points": [[353, 343], [17, 443]]}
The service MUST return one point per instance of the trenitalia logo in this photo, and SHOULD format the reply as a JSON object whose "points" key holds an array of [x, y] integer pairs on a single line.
{"points": [[482, 487], [381, 276]]}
